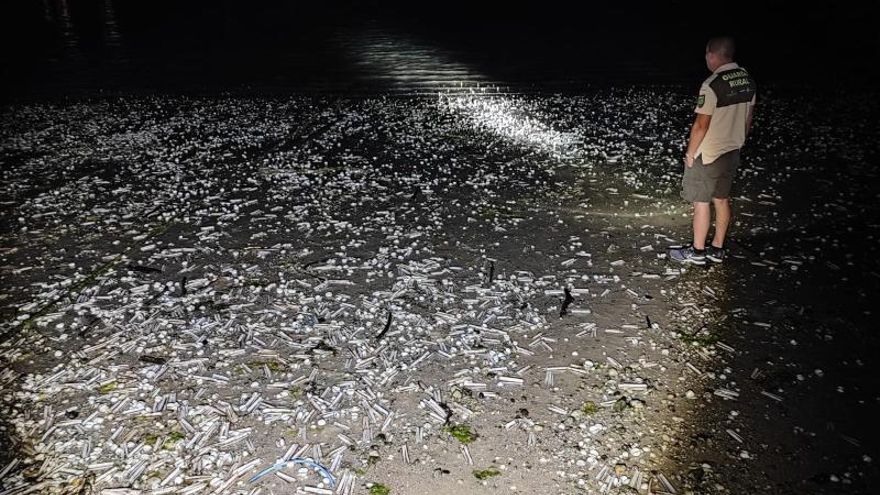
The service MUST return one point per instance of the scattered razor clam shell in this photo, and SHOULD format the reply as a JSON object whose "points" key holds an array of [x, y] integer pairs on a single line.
{"points": [[213, 286]]}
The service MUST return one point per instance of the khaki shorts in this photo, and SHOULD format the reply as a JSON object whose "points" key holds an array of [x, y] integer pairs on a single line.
{"points": [[702, 182]]}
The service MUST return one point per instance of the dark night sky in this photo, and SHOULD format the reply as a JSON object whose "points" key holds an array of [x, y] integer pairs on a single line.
{"points": [[223, 43]]}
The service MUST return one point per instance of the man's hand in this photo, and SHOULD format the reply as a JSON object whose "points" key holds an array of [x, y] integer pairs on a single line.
{"points": [[689, 160]]}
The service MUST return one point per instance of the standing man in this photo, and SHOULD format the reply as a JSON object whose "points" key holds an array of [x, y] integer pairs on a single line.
{"points": [[724, 119]]}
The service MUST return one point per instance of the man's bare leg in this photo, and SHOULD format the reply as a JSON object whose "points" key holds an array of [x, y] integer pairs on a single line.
{"points": [[701, 224], [722, 220]]}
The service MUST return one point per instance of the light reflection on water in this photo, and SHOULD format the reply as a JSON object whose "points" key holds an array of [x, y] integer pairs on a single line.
{"points": [[57, 12], [111, 36], [370, 57], [404, 64], [399, 63]]}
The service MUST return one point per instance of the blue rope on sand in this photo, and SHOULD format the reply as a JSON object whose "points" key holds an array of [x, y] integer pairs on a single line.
{"points": [[296, 460]]}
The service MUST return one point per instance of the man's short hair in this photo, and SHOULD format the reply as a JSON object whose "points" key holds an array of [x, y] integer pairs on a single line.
{"points": [[723, 46]]}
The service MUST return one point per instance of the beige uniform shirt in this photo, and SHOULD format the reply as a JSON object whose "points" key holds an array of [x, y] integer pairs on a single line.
{"points": [[727, 95]]}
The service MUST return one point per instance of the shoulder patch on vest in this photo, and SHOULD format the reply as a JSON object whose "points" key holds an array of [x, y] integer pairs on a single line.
{"points": [[733, 87]]}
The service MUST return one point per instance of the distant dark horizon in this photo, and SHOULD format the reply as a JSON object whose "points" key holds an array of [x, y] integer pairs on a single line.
{"points": [[61, 46]]}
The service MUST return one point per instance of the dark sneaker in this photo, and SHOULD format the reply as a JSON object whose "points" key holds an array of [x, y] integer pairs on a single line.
{"points": [[714, 254], [688, 254]]}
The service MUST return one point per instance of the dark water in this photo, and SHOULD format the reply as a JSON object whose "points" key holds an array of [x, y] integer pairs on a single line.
{"points": [[69, 46]]}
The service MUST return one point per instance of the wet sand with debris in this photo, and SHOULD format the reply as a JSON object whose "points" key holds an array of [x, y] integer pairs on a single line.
{"points": [[195, 288]]}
